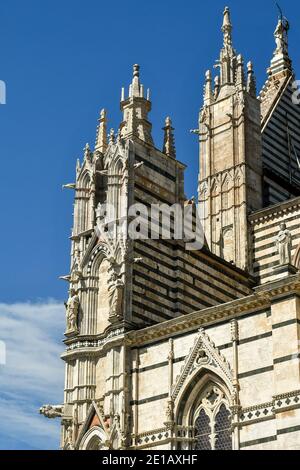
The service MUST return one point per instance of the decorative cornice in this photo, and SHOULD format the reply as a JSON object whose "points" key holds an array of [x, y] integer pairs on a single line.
{"points": [[281, 287], [94, 346], [198, 319], [153, 437], [275, 211], [279, 404]]}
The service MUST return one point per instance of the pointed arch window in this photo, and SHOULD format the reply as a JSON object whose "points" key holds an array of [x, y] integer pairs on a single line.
{"points": [[212, 421]]}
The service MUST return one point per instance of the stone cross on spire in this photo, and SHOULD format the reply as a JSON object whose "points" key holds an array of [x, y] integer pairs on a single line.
{"points": [[135, 110], [169, 143]]}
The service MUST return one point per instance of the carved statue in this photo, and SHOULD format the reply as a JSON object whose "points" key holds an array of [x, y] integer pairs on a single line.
{"points": [[281, 36], [170, 411], [115, 293], [72, 307], [284, 245], [52, 411], [69, 437]]}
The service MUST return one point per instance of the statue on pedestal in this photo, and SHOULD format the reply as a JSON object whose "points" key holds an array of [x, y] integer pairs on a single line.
{"points": [[281, 36], [72, 307], [115, 294]]}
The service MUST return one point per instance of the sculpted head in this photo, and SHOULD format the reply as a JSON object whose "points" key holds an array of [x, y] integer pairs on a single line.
{"points": [[282, 226]]}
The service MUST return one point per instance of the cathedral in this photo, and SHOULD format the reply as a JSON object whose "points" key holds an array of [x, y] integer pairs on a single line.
{"points": [[172, 347]]}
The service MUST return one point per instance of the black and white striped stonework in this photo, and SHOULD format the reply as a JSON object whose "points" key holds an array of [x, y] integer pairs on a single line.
{"points": [[170, 281], [281, 150], [265, 228]]}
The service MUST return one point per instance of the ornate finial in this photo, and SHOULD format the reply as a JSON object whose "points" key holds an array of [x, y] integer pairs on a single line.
{"points": [[207, 88], [78, 167], [234, 330], [227, 28], [251, 80], [136, 70], [169, 144], [240, 74], [112, 136], [135, 110], [87, 152], [101, 140], [216, 87], [135, 86]]}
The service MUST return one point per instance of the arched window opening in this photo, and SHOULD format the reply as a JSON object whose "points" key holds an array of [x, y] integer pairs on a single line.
{"points": [[119, 202], [223, 429], [101, 187], [202, 431], [212, 421], [84, 204]]}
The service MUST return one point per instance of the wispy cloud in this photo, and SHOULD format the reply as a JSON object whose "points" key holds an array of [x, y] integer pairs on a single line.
{"points": [[33, 374]]}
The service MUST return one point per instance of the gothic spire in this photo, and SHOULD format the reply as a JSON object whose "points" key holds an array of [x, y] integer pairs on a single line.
{"points": [[227, 28], [227, 62], [101, 140], [135, 111], [169, 143], [251, 80], [112, 136], [88, 155]]}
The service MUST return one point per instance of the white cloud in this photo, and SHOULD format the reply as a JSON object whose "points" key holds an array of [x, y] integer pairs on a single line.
{"points": [[33, 373]]}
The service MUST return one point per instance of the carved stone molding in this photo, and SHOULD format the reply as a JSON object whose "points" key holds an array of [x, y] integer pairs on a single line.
{"points": [[153, 437], [276, 211], [263, 411], [232, 175], [203, 354], [194, 321]]}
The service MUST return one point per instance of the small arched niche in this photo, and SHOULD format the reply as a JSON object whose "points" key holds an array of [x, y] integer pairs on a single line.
{"points": [[228, 245], [94, 439]]}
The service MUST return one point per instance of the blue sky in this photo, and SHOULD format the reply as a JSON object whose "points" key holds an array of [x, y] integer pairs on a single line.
{"points": [[63, 61]]}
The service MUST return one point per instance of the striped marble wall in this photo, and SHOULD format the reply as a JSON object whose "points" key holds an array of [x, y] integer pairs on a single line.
{"points": [[281, 149], [265, 227], [170, 281]]}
